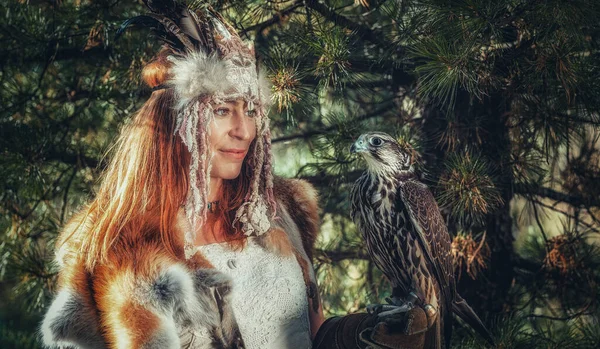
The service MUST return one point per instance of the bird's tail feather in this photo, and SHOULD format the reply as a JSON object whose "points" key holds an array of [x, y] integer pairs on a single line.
{"points": [[446, 326], [433, 336], [464, 311]]}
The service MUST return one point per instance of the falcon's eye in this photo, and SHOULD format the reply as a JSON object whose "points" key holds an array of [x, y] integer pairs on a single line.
{"points": [[376, 141]]}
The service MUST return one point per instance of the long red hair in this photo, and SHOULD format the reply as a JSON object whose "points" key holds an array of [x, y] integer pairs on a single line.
{"points": [[146, 183]]}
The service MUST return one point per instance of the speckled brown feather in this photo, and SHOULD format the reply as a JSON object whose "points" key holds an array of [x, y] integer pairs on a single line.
{"points": [[427, 218]]}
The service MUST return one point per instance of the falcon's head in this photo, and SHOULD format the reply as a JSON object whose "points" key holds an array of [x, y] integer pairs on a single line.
{"points": [[384, 154]]}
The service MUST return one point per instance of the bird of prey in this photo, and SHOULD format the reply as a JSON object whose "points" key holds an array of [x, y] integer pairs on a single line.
{"points": [[407, 237]]}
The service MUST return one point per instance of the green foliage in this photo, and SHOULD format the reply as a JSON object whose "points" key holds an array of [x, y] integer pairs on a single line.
{"points": [[515, 332], [443, 68], [500, 98], [567, 275], [467, 188], [14, 339], [332, 46]]}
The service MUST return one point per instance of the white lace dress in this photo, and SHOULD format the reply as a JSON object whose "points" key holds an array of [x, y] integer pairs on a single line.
{"points": [[268, 297]]}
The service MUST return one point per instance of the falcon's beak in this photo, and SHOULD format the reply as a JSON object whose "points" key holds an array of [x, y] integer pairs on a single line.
{"points": [[360, 146]]}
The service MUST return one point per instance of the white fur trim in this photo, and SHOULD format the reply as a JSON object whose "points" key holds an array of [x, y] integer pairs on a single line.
{"points": [[164, 338], [68, 322], [265, 87], [198, 74], [173, 294]]}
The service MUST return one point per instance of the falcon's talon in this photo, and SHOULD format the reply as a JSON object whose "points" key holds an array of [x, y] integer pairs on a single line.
{"points": [[394, 301], [373, 308], [413, 297], [376, 309], [405, 308], [395, 305]]}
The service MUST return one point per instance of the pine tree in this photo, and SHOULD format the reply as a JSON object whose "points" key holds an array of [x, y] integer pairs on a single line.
{"points": [[500, 99]]}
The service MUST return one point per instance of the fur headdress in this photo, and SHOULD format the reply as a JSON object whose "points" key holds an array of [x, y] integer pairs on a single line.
{"points": [[209, 65]]}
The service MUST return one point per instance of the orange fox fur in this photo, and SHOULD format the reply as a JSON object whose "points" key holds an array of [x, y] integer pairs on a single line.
{"points": [[143, 296]]}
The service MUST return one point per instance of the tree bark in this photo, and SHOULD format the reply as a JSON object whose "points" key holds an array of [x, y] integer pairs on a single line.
{"points": [[489, 294]]}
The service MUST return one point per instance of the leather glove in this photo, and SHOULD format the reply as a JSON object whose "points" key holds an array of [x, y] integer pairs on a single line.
{"points": [[401, 331]]}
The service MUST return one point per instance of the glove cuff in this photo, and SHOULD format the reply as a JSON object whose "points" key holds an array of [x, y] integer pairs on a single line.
{"points": [[343, 332], [365, 331]]}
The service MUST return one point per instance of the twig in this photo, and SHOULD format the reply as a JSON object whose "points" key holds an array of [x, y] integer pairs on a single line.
{"points": [[42, 198], [553, 208], [325, 130], [371, 35], [336, 256], [583, 312], [539, 222], [277, 17], [370, 281], [65, 196], [472, 257], [574, 200]]}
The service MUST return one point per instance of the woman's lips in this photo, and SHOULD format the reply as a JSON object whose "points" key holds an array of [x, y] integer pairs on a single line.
{"points": [[237, 154]]}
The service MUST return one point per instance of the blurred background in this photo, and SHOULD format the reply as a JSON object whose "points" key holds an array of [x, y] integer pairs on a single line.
{"points": [[500, 98]]}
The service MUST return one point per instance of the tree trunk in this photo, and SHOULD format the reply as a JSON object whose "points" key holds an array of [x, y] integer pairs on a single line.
{"points": [[490, 292]]}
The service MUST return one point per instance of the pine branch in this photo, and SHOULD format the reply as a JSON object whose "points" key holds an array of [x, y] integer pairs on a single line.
{"points": [[277, 17], [585, 311], [526, 264], [371, 35], [48, 194], [63, 210], [325, 130], [95, 54], [336, 256], [73, 159], [304, 135], [322, 181], [590, 226], [573, 200]]}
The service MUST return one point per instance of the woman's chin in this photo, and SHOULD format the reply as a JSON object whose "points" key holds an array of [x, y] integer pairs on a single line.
{"points": [[229, 172]]}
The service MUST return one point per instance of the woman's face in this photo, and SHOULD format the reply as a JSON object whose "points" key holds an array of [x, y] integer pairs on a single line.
{"points": [[232, 132]]}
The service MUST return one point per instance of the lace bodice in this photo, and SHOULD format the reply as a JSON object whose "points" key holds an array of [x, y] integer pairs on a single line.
{"points": [[268, 297]]}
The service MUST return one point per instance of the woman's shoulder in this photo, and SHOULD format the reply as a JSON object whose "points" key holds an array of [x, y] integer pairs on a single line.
{"points": [[300, 200], [138, 280], [70, 238], [293, 185], [296, 191]]}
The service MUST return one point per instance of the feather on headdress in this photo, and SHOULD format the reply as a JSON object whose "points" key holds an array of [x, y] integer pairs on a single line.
{"points": [[211, 64]]}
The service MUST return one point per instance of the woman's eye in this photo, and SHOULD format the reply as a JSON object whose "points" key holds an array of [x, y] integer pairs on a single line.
{"points": [[251, 113], [376, 141], [221, 111]]}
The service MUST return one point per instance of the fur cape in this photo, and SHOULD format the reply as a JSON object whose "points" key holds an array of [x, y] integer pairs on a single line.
{"points": [[143, 297]]}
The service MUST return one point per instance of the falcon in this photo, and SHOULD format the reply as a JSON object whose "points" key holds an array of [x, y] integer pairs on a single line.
{"points": [[407, 237]]}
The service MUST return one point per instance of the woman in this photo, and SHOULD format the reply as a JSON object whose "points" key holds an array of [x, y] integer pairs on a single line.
{"points": [[190, 241]]}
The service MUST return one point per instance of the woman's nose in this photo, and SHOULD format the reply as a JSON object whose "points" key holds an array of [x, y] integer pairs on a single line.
{"points": [[242, 125]]}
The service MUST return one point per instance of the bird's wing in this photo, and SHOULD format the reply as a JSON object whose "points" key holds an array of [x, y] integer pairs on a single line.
{"points": [[432, 233], [355, 197]]}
